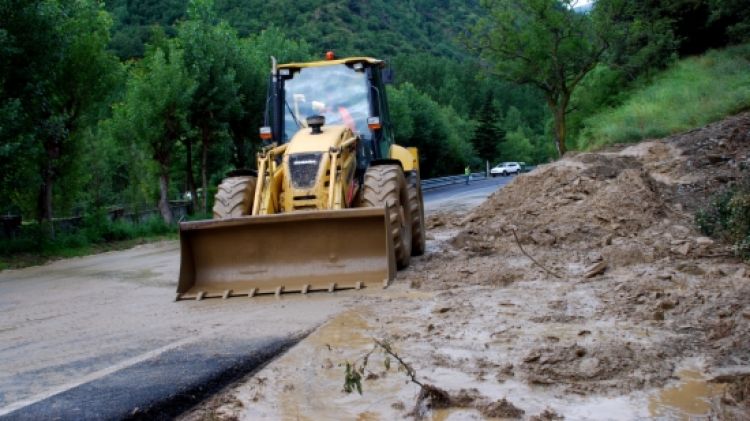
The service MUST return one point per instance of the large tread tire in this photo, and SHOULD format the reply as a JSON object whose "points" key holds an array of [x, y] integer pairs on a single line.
{"points": [[234, 197], [416, 207], [386, 184]]}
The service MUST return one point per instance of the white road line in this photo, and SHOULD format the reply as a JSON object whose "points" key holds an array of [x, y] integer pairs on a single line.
{"points": [[95, 375]]}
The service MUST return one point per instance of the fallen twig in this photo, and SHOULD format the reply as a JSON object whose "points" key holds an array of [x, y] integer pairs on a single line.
{"points": [[409, 371], [518, 243]]}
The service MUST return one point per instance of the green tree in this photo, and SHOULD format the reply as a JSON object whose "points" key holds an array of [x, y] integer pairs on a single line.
{"points": [[154, 113], [212, 57], [733, 16], [544, 43], [488, 134], [439, 133], [253, 68], [645, 42], [56, 77]]}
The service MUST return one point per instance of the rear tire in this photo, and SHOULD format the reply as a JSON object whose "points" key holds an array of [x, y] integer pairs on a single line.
{"points": [[234, 197], [416, 207], [386, 184]]}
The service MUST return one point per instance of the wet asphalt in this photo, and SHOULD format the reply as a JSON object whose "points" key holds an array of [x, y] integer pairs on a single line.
{"points": [[159, 388], [479, 189]]}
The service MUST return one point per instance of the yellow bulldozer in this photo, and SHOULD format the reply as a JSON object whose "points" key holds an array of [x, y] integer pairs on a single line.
{"points": [[334, 203]]}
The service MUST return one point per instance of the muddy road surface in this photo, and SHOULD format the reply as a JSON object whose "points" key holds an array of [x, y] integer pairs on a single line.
{"points": [[101, 337], [582, 290]]}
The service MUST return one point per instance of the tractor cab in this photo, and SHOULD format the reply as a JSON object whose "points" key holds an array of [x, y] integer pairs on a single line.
{"points": [[346, 92]]}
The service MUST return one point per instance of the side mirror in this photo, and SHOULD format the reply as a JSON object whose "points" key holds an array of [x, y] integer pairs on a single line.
{"points": [[388, 76]]}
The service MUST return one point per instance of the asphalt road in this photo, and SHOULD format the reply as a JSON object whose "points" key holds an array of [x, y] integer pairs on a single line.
{"points": [[100, 337], [457, 197]]}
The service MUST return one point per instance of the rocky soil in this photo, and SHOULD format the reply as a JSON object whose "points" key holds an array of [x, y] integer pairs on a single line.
{"points": [[581, 290]]}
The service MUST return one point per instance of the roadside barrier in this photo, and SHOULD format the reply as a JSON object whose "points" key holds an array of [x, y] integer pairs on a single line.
{"points": [[434, 183]]}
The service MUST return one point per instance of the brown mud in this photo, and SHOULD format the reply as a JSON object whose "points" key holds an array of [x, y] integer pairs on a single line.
{"points": [[625, 312]]}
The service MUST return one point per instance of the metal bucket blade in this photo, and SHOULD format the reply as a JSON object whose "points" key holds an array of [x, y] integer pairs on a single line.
{"points": [[291, 252]]}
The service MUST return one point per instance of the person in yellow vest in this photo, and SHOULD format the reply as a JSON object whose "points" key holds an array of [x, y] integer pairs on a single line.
{"points": [[467, 173]]}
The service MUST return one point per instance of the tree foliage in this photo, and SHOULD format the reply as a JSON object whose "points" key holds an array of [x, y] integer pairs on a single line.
{"points": [[439, 132], [544, 43], [489, 133], [56, 74], [154, 113], [382, 28]]}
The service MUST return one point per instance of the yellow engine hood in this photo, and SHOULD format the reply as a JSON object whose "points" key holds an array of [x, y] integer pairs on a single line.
{"points": [[305, 142]]}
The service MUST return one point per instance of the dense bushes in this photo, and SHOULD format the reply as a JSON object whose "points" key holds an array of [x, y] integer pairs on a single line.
{"points": [[728, 217], [93, 230]]}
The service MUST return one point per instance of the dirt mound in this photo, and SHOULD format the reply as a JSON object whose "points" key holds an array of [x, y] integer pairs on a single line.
{"points": [[632, 205], [623, 220], [502, 409], [620, 364], [583, 199]]}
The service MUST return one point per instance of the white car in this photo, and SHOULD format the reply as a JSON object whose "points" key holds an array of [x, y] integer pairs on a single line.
{"points": [[506, 168]]}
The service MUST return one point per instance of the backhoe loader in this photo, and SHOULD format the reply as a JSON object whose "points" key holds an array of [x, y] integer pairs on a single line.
{"points": [[333, 202]]}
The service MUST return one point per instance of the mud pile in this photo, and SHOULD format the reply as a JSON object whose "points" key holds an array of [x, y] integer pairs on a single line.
{"points": [[629, 206], [588, 202], [618, 225]]}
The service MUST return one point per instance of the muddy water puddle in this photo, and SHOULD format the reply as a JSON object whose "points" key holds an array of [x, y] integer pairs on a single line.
{"points": [[312, 389], [689, 398], [346, 330]]}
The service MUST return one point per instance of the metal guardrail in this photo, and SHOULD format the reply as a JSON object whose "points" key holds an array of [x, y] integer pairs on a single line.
{"points": [[434, 183]]}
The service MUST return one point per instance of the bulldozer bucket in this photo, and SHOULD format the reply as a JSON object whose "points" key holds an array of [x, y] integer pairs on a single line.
{"points": [[288, 252]]}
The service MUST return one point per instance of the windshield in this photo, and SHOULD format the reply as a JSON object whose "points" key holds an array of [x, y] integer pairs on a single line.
{"points": [[338, 92]]}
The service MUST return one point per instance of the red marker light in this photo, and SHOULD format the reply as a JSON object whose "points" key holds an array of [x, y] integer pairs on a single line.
{"points": [[330, 55]]}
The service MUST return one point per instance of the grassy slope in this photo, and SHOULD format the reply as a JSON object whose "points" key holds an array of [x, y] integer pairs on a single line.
{"points": [[693, 92]]}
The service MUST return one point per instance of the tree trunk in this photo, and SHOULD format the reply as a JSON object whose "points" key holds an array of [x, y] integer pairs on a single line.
{"points": [[164, 209], [560, 129], [45, 195], [204, 162], [189, 173], [558, 104], [44, 205], [240, 160]]}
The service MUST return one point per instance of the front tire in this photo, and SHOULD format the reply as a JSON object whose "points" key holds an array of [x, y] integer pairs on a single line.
{"points": [[385, 184], [234, 197], [416, 207]]}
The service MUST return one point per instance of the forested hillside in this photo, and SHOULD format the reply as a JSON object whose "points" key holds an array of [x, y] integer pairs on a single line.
{"points": [[133, 104], [380, 28], [425, 42]]}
